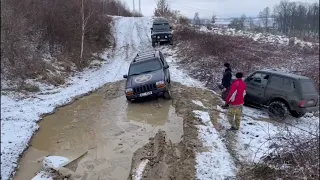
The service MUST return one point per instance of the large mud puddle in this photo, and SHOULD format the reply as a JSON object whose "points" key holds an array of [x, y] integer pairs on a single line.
{"points": [[107, 127]]}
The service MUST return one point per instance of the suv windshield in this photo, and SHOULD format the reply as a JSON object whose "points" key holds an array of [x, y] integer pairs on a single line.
{"points": [[161, 26], [146, 66], [307, 86]]}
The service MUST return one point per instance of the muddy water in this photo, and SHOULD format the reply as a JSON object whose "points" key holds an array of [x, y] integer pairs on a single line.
{"points": [[109, 128]]}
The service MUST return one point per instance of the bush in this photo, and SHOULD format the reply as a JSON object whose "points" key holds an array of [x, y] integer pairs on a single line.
{"points": [[295, 157]]}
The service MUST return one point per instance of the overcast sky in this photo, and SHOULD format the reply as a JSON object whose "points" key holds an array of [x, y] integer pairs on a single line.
{"points": [[222, 8]]}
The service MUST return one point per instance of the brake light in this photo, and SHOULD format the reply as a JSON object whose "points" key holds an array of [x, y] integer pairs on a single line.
{"points": [[302, 103]]}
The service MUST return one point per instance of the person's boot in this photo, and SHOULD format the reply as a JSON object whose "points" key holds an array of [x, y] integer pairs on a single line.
{"points": [[232, 129], [225, 106]]}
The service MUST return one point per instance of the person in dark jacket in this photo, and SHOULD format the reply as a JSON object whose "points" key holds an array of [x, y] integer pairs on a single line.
{"points": [[226, 83], [236, 100]]}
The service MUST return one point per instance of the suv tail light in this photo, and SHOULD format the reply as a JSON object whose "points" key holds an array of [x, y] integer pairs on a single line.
{"points": [[302, 103]]}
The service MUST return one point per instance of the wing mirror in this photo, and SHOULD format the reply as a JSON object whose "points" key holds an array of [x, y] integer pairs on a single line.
{"points": [[171, 27], [151, 29], [166, 67], [125, 76]]}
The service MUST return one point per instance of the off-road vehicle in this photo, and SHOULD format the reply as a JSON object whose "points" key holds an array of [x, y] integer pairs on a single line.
{"points": [[161, 31], [148, 76], [282, 93]]}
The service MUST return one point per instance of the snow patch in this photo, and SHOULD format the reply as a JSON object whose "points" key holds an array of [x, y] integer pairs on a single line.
{"points": [[55, 162], [199, 103], [259, 37], [140, 169], [216, 162], [42, 176]]}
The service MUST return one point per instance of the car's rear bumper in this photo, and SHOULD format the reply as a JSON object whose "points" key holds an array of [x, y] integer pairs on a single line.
{"points": [[308, 109], [155, 93]]}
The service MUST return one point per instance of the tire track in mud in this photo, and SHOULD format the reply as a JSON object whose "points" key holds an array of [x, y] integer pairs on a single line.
{"points": [[168, 160]]}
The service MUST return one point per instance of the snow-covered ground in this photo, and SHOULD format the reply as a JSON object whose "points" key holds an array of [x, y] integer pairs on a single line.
{"points": [[259, 37], [19, 117], [256, 137], [215, 163]]}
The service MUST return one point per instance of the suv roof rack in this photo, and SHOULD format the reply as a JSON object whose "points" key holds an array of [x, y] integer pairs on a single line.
{"points": [[153, 51], [144, 55]]}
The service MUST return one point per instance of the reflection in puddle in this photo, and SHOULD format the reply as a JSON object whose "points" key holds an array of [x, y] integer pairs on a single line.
{"points": [[109, 129]]}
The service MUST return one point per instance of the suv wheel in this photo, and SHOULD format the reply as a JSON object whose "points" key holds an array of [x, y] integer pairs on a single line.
{"points": [[167, 93], [297, 114], [153, 44], [278, 110]]}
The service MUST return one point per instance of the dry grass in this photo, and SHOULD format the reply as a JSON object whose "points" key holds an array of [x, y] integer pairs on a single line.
{"points": [[294, 157], [205, 54], [31, 28]]}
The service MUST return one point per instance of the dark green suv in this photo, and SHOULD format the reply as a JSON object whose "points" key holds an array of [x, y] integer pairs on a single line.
{"points": [[148, 76], [283, 93], [161, 31]]}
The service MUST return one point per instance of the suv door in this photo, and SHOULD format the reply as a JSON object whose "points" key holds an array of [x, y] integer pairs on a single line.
{"points": [[256, 85], [166, 71], [279, 87]]}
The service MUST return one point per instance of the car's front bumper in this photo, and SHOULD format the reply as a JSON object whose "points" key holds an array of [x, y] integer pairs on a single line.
{"points": [[161, 38], [155, 93]]}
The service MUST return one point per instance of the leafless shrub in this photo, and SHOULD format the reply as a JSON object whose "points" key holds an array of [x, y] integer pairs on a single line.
{"points": [[31, 88], [30, 28], [54, 79], [296, 156], [206, 53]]}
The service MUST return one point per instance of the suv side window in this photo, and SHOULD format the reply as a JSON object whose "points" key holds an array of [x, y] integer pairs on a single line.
{"points": [[260, 78], [281, 83]]}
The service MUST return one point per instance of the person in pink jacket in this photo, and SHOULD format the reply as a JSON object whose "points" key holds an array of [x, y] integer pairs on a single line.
{"points": [[235, 99]]}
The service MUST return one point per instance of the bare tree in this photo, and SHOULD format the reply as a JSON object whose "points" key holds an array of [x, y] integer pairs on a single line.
{"points": [[162, 9], [213, 19], [238, 23], [264, 16], [297, 19], [84, 27], [196, 19], [251, 23]]}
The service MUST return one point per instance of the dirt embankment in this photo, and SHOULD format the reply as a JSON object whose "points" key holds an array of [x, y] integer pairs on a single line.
{"points": [[167, 160], [205, 53]]}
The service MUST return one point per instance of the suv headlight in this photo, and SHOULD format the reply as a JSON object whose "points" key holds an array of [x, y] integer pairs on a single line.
{"points": [[129, 90], [170, 35], [158, 37], [154, 36], [160, 84]]}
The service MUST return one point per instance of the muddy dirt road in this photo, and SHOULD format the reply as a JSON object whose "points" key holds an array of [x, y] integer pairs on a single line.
{"points": [[116, 133]]}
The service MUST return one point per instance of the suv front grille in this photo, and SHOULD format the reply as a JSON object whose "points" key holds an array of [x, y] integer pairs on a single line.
{"points": [[145, 88]]}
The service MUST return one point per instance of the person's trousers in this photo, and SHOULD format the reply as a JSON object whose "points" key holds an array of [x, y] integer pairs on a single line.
{"points": [[234, 116]]}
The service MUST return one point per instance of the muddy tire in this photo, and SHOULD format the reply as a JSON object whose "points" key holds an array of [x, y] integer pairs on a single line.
{"points": [[153, 44], [167, 93], [128, 99], [278, 110], [296, 114], [171, 42]]}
